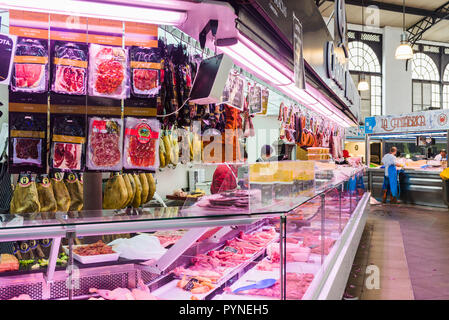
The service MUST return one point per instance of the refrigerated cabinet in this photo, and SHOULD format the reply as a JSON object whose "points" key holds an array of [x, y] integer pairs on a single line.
{"points": [[328, 223]]}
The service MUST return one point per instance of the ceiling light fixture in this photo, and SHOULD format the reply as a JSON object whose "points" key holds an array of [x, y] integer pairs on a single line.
{"points": [[251, 58], [98, 9], [404, 51], [363, 84]]}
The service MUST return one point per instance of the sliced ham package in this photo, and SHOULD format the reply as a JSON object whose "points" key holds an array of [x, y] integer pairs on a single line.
{"points": [[145, 74], [67, 142], [70, 68], [104, 150], [255, 99], [27, 143], [233, 93], [141, 150], [30, 71], [108, 72]]}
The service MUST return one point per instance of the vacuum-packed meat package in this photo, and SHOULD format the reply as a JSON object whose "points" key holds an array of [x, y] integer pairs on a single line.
{"points": [[27, 143], [105, 144], [67, 156], [70, 68], [108, 74], [145, 64], [30, 66], [27, 151], [141, 144], [68, 138]]}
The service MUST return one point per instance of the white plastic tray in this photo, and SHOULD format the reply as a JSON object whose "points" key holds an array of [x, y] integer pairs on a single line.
{"points": [[92, 259]]}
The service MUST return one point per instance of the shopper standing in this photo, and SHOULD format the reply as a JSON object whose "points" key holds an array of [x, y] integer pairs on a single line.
{"points": [[441, 156], [265, 153], [390, 185]]}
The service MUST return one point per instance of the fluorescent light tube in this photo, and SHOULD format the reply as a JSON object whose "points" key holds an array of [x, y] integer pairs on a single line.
{"points": [[98, 10]]}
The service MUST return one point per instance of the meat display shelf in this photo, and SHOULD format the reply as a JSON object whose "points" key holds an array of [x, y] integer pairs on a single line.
{"points": [[171, 287], [104, 222]]}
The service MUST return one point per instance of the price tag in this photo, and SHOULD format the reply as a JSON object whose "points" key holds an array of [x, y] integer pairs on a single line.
{"points": [[191, 284], [230, 249]]}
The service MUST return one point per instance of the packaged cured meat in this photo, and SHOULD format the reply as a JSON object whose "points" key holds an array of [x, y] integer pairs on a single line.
{"points": [[115, 194], [233, 91], [75, 189], [30, 71], [60, 191], [105, 144], [25, 198], [27, 141], [70, 68], [108, 74], [68, 140], [27, 151], [255, 99], [265, 95], [7, 50], [141, 144], [47, 199], [145, 66]]}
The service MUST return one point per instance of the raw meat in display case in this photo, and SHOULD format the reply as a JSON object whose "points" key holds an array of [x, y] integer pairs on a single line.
{"points": [[296, 286]]}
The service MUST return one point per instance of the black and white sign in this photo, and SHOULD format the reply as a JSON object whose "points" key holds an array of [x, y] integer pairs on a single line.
{"points": [[299, 73]]}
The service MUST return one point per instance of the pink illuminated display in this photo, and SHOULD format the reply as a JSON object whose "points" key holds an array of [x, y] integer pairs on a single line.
{"points": [[264, 65], [122, 12], [244, 52]]}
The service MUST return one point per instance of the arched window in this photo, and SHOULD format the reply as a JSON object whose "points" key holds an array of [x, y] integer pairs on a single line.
{"points": [[426, 83], [363, 60], [446, 88]]}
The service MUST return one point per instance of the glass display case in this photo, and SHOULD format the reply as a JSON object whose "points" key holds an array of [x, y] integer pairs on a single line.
{"points": [[290, 248]]}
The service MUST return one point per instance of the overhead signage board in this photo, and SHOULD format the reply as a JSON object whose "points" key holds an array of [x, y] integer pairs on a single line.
{"points": [[425, 121], [299, 72], [327, 54]]}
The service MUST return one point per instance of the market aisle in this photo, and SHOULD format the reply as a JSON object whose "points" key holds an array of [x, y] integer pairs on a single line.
{"points": [[409, 245]]}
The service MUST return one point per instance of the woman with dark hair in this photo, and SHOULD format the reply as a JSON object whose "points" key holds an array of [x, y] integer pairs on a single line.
{"points": [[265, 153]]}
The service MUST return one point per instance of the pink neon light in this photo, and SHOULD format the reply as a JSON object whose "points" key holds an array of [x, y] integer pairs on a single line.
{"points": [[268, 58], [249, 58], [122, 12]]}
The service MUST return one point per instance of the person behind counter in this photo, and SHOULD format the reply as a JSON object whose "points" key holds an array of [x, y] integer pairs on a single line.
{"points": [[390, 185], [265, 153], [281, 150], [441, 156], [429, 154]]}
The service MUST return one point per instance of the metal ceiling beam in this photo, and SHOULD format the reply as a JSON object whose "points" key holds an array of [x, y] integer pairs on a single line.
{"points": [[396, 8], [417, 30]]}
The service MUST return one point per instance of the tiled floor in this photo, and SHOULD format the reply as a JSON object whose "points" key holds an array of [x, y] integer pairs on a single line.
{"points": [[410, 247]]}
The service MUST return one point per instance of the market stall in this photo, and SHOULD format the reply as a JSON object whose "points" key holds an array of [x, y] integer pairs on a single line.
{"points": [[415, 135], [113, 137]]}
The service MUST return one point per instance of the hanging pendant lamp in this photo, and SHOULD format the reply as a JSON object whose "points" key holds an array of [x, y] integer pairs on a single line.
{"points": [[404, 51], [363, 84]]}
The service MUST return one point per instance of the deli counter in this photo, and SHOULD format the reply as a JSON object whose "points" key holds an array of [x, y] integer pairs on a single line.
{"points": [[417, 186], [304, 241]]}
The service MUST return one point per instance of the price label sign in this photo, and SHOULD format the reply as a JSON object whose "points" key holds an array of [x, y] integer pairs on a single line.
{"points": [[299, 74]]}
